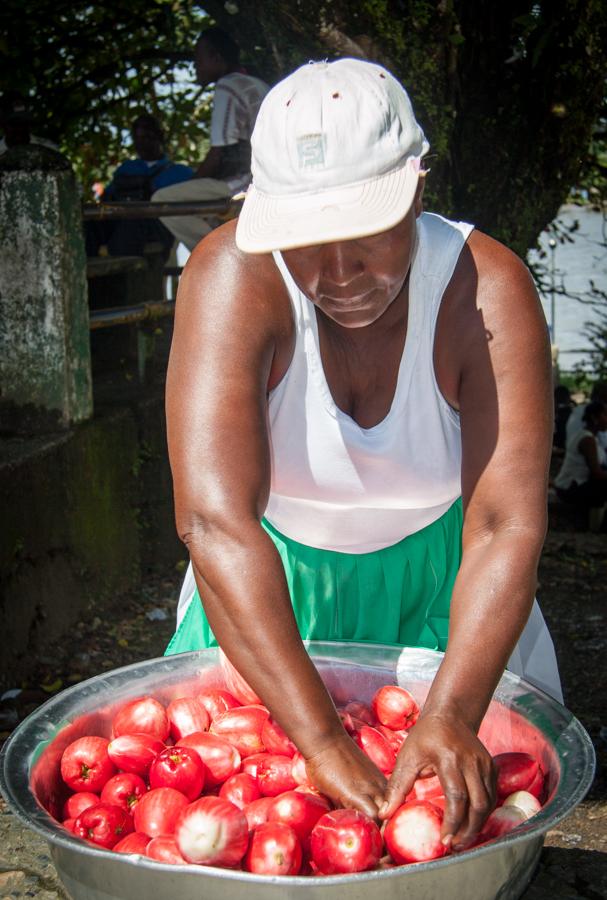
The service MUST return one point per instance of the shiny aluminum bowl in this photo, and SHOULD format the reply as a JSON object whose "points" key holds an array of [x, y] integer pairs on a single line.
{"points": [[520, 717]]}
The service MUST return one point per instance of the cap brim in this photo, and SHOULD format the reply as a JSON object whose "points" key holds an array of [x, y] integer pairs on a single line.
{"points": [[272, 222]]}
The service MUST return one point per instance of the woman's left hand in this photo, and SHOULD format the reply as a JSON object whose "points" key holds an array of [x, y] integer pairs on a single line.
{"points": [[447, 747]]}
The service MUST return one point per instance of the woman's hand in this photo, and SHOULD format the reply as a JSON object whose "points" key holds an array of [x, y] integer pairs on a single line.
{"points": [[347, 776], [449, 748]]}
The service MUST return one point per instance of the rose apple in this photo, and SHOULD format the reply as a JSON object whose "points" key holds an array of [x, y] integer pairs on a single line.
{"points": [[345, 840], [257, 811], [395, 738], [69, 824], [136, 842], [274, 775], [426, 789], [103, 825], [298, 810], [517, 772], [124, 790], [142, 716], [86, 765], [351, 723], [135, 752], [251, 764], [78, 802], [361, 712], [165, 849], [274, 849], [217, 701], [413, 833], [235, 683], [157, 812], [180, 768], [299, 771], [240, 789], [212, 832], [395, 707], [242, 728], [187, 715], [219, 756], [500, 822], [525, 801], [275, 740], [377, 748]]}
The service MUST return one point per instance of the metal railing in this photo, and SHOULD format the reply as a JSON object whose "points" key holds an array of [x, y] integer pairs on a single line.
{"points": [[144, 209]]}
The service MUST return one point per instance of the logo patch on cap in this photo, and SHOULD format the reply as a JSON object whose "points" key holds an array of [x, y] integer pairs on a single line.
{"points": [[310, 151]]}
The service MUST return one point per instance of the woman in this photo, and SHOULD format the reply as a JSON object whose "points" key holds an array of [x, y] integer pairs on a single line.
{"points": [[336, 410], [582, 479]]}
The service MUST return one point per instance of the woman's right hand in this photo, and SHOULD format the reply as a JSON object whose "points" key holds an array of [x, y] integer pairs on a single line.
{"points": [[347, 776]]}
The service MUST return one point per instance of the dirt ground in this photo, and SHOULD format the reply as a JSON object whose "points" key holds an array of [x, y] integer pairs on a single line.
{"points": [[573, 595]]}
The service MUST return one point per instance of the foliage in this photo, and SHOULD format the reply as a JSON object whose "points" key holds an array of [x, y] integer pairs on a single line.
{"points": [[507, 92]]}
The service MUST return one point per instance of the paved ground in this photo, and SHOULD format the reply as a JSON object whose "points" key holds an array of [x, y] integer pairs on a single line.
{"points": [[572, 591]]}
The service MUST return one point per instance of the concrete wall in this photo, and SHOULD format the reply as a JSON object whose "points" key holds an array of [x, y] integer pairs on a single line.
{"points": [[85, 514]]}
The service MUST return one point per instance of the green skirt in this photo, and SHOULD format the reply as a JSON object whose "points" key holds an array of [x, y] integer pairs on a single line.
{"points": [[398, 595]]}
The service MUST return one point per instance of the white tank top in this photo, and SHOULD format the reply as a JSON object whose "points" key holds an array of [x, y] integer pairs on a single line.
{"points": [[338, 486]]}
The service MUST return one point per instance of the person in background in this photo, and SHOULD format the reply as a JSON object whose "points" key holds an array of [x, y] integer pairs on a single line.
{"points": [[137, 179], [582, 478], [349, 430], [575, 420], [226, 169], [563, 405]]}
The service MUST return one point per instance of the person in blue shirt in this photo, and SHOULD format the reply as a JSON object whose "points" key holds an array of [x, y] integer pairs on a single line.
{"points": [[137, 179]]}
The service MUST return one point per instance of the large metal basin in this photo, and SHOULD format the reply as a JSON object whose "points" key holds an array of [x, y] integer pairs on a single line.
{"points": [[520, 718]]}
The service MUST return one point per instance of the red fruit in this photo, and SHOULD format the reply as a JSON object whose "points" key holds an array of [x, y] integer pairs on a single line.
{"points": [[377, 748], [103, 825], [345, 840], [275, 740], [85, 764], [350, 722], [298, 810], [242, 728], [251, 764], [500, 822], [426, 789], [413, 832], [235, 683], [220, 758], [157, 812], [240, 789], [212, 832], [78, 802], [187, 715], [361, 712], [257, 811], [69, 824], [165, 849], [124, 790], [180, 768], [395, 707], [274, 849], [524, 801], [395, 738], [517, 772], [275, 776], [136, 842], [142, 716], [135, 752], [299, 771], [216, 702]]}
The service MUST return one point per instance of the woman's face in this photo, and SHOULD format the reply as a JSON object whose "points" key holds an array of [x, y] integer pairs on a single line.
{"points": [[354, 282]]}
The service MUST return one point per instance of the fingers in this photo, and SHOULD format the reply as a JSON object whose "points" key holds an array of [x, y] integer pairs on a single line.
{"points": [[469, 799], [400, 783]]}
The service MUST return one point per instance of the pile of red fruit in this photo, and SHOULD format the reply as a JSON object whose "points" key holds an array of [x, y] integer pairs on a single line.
{"points": [[210, 781]]}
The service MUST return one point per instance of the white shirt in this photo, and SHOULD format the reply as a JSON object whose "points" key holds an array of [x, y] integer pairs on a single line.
{"points": [[235, 106]]}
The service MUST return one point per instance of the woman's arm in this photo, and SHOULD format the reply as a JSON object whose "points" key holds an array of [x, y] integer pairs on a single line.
{"points": [[233, 329], [588, 448], [498, 348]]}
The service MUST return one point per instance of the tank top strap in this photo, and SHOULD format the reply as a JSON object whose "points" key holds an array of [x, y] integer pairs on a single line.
{"points": [[439, 245]]}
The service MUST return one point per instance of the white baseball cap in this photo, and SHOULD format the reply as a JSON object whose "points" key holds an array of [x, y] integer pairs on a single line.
{"points": [[336, 155]]}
